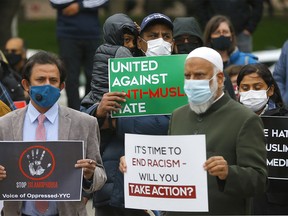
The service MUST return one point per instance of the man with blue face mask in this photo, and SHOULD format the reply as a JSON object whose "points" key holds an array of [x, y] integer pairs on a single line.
{"points": [[235, 143], [43, 79]]}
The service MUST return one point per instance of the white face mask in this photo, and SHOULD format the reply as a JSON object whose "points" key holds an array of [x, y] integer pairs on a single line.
{"points": [[158, 47], [254, 100]]}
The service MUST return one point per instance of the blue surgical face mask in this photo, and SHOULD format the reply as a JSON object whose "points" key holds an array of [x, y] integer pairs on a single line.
{"points": [[44, 96], [198, 91]]}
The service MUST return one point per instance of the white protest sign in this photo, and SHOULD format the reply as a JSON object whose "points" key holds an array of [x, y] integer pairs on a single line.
{"points": [[166, 173]]}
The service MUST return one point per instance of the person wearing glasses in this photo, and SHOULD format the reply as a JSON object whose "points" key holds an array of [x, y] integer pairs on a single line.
{"points": [[219, 34]]}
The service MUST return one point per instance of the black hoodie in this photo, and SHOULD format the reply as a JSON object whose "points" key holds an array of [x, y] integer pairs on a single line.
{"points": [[113, 32], [187, 25], [111, 148]]}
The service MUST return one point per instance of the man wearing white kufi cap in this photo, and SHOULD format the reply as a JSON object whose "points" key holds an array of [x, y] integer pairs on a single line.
{"points": [[209, 54], [235, 144]]}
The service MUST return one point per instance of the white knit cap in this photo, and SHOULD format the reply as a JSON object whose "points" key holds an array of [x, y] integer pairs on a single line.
{"points": [[208, 54]]}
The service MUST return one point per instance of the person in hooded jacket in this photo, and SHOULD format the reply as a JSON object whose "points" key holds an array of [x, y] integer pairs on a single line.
{"points": [[187, 37], [219, 34], [120, 36], [259, 91]]}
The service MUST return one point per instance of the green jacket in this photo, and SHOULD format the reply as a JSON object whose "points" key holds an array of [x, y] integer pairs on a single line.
{"points": [[236, 133]]}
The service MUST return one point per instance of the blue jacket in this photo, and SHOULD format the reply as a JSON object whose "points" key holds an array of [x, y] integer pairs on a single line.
{"points": [[241, 58], [83, 25], [281, 72]]}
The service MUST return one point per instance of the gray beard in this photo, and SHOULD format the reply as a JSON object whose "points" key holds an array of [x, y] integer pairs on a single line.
{"points": [[202, 108], [199, 109]]}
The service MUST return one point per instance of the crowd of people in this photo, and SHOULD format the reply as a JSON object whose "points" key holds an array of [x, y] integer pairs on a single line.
{"points": [[227, 89]]}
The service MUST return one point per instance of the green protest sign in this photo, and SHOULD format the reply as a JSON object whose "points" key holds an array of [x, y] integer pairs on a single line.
{"points": [[154, 85]]}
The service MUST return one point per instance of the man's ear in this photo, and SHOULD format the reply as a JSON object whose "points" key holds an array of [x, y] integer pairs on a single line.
{"points": [[25, 85], [173, 46], [62, 86], [220, 79]]}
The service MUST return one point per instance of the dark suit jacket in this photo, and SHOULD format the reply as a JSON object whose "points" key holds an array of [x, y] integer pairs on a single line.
{"points": [[73, 125]]}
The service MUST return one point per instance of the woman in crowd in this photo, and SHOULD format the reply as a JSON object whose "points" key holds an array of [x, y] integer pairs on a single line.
{"points": [[259, 92], [219, 34]]}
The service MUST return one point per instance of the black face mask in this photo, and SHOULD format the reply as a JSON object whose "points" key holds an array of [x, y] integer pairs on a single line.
{"points": [[221, 43], [186, 48], [13, 58], [135, 52]]}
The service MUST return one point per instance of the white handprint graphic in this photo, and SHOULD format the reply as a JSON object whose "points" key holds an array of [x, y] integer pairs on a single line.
{"points": [[35, 162]]}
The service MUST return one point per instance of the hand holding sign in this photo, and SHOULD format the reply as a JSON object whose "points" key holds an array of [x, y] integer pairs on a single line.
{"points": [[122, 165], [110, 102], [88, 166], [2, 172], [217, 166]]}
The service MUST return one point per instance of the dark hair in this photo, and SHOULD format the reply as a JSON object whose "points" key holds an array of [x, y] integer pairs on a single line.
{"points": [[212, 26], [129, 31], [263, 71], [233, 70], [43, 57]]}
